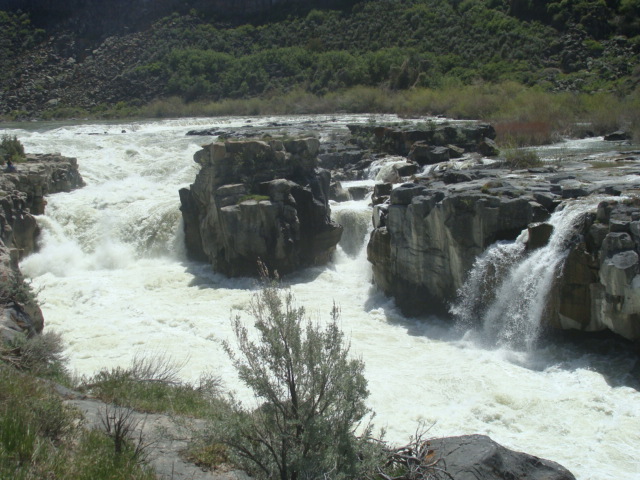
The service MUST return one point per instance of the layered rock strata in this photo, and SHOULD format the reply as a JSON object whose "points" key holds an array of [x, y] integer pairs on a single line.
{"points": [[256, 200], [22, 195]]}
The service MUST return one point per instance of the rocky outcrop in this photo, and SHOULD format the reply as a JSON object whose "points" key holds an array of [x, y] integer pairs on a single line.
{"points": [[426, 240], [40, 175], [22, 195], [477, 457], [600, 283], [430, 144], [255, 200], [429, 233]]}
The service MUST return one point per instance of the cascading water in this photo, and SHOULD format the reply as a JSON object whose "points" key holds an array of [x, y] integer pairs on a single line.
{"points": [[114, 282], [355, 217], [507, 287]]}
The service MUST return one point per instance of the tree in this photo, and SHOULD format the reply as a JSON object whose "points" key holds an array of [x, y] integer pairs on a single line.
{"points": [[313, 395]]}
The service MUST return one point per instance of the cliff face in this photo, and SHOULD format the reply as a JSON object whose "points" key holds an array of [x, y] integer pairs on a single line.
{"points": [[253, 201], [600, 283], [22, 195], [426, 241], [429, 233]]}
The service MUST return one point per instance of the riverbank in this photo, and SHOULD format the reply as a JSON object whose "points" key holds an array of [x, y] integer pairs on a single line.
{"points": [[522, 115]]}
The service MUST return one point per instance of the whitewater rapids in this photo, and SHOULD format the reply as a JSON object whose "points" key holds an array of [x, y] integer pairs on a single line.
{"points": [[113, 280]]}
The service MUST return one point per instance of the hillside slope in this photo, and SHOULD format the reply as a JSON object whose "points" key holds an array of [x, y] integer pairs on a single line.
{"points": [[55, 61]]}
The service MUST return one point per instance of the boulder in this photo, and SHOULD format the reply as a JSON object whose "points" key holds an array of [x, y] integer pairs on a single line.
{"points": [[381, 193], [338, 193], [406, 169], [477, 457], [488, 148], [425, 154], [539, 234], [616, 136], [358, 192]]}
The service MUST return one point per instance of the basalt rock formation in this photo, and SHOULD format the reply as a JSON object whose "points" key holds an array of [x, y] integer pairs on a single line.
{"points": [[255, 200], [429, 232], [430, 144], [426, 239], [600, 283], [22, 195], [474, 457]]}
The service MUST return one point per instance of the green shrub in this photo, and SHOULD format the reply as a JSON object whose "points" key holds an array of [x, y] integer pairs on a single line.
{"points": [[518, 158], [11, 149], [313, 396]]}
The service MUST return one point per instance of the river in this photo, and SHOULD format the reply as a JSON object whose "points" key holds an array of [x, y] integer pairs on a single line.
{"points": [[113, 279]]}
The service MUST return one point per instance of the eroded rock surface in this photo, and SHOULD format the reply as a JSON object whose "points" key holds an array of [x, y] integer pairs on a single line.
{"points": [[255, 200], [429, 232], [22, 195]]}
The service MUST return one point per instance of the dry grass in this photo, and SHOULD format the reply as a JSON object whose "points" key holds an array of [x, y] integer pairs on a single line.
{"points": [[523, 115]]}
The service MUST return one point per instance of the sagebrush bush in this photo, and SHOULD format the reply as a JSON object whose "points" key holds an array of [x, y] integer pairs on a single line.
{"points": [[40, 355], [312, 396], [151, 384]]}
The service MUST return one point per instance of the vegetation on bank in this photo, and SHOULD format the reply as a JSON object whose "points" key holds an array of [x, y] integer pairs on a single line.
{"points": [[310, 422], [41, 436], [521, 115], [561, 46]]}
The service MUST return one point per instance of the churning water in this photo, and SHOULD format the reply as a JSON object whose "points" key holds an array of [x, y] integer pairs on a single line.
{"points": [[507, 287], [114, 281]]}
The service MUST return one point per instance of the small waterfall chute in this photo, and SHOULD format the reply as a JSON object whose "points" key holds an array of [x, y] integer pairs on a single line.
{"points": [[355, 218], [507, 288]]}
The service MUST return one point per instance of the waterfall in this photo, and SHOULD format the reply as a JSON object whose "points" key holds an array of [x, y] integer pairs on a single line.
{"points": [[355, 218], [113, 281], [506, 290]]}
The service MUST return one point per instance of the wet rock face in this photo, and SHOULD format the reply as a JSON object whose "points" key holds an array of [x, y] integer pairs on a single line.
{"points": [[600, 285], [22, 195], [429, 239], [254, 200]]}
